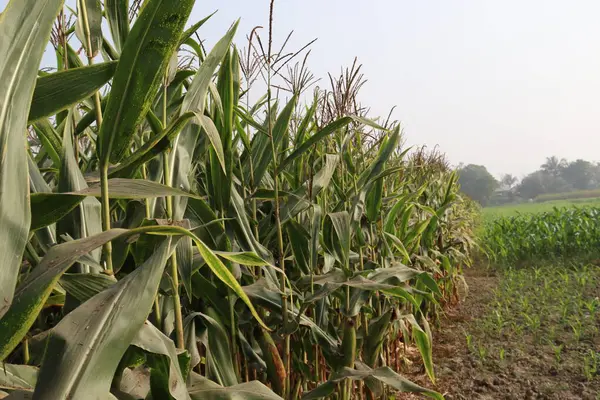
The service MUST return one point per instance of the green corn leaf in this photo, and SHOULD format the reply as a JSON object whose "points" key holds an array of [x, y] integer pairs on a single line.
{"points": [[84, 349], [144, 59], [89, 117], [262, 156], [423, 343], [32, 293], [383, 374], [219, 358], [153, 147], [242, 257], [213, 135], [25, 27], [195, 101], [121, 188], [185, 263], [373, 201], [314, 238], [85, 286], [58, 91], [118, 20], [378, 328], [192, 29], [201, 388], [384, 154], [195, 98], [323, 133], [152, 340], [299, 240], [50, 140], [48, 208], [84, 220], [336, 234]]}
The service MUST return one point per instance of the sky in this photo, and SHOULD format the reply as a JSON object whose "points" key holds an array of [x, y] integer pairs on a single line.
{"points": [[498, 83]]}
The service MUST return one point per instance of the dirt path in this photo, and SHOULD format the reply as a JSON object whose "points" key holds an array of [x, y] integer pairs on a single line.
{"points": [[524, 370]]}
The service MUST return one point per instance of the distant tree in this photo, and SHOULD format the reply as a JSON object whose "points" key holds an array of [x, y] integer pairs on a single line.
{"points": [[508, 181], [541, 182], [553, 165], [579, 174], [477, 183]]}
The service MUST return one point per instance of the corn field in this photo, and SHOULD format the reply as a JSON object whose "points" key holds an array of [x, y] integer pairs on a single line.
{"points": [[163, 236], [560, 234]]}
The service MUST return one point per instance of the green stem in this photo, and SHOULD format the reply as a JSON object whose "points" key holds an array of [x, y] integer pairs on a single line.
{"points": [[169, 206], [157, 314], [286, 389], [107, 253], [107, 249], [234, 351], [26, 356]]}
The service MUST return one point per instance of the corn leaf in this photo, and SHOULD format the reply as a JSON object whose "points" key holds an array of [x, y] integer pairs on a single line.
{"points": [[18, 377], [118, 20], [152, 340], [58, 91], [383, 374], [144, 59], [84, 349], [202, 388], [25, 29]]}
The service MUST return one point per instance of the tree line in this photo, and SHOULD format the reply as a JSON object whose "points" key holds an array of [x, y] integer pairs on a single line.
{"points": [[555, 175]]}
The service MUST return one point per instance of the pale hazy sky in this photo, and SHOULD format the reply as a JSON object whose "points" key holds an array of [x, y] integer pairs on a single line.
{"points": [[503, 83]]}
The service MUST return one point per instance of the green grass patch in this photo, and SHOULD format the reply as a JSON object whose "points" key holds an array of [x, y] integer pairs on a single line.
{"points": [[575, 195], [492, 213]]}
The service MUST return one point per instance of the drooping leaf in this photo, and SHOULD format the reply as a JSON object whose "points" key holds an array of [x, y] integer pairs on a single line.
{"points": [[383, 374], [32, 293], [299, 240], [152, 340], [205, 389], [84, 349], [219, 360], [47, 208], [423, 343], [244, 258]]}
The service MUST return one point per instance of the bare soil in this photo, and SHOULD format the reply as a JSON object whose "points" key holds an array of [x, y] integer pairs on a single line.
{"points": [[528, 373]]}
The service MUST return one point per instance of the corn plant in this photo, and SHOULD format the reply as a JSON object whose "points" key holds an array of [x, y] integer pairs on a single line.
{"points": [[163, 237], [556, 235]]}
